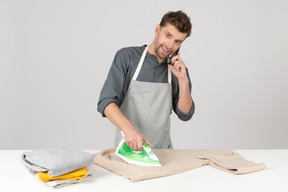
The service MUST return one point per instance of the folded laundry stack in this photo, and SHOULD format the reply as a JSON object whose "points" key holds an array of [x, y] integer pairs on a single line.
{"points": [[58, 167]]}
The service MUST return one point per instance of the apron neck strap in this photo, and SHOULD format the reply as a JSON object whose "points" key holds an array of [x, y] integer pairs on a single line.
{"points": [[169, 75], [141, 63]]}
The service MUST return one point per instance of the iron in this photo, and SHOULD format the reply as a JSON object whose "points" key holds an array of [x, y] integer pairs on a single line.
{"points": [[146, 157]]}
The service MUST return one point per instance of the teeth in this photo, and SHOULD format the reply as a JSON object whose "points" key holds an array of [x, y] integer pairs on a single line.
{"points": [[164, 49]]}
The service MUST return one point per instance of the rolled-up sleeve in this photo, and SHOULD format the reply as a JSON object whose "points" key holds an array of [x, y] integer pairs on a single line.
{"points": [[185, 116], [175, 96], [112, 88]]}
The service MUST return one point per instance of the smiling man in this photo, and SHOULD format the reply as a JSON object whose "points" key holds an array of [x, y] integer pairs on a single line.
{"points": [[142, 88]]}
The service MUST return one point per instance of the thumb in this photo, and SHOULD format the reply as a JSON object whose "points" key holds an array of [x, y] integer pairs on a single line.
{"points": [[146, 141]]}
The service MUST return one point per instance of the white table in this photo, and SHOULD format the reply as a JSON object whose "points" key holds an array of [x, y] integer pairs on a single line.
{"points": [[15, 177]]}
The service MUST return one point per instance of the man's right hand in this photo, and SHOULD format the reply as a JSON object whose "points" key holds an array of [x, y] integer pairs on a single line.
{"points": [[132, 137], [135, 140]]}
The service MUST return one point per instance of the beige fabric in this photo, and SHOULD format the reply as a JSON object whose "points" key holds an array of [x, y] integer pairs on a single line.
{"points": [[176, 161], [233, 163]]}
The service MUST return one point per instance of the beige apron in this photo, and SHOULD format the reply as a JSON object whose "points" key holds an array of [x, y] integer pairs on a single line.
{"points": [[148, 107]]}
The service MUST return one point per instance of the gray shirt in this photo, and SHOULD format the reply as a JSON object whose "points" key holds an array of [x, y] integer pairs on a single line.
{"points": [[122, 70]]}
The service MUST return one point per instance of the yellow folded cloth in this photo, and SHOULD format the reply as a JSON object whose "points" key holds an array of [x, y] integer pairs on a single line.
{"points": [[79, 174]]}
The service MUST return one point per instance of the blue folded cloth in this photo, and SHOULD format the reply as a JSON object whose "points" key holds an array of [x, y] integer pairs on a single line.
{"points": [[56, 161]]}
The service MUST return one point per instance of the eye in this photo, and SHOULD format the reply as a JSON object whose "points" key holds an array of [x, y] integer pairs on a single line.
{"points": [[178, 42], [168, 35]]}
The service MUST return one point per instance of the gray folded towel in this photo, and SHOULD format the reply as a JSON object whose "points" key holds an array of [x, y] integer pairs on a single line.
{"points": [[56, 161]]}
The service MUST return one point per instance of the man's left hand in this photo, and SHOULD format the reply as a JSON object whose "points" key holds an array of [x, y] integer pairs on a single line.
{"points": [[178, 68]]}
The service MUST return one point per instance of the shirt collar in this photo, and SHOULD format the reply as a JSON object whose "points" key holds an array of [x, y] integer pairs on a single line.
{"points": [[154, 58]]}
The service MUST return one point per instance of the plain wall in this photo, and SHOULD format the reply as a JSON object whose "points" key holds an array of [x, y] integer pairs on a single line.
{"points": [[55, 55]]}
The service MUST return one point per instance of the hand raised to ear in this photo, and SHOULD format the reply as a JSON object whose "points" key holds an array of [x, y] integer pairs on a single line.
{"points": [[178, 68]]}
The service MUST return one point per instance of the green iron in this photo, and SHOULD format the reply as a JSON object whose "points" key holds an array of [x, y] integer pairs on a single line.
{"points": [[146, 157]]}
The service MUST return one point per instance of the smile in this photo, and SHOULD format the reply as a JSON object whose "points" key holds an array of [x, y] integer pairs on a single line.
{"points": [[165, 50]]}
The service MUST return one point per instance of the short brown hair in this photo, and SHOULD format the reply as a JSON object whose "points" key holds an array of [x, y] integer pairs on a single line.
{"points": [[179, 19]]}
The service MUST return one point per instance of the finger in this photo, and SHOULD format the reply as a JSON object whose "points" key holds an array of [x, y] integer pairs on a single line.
{"points": [[130, 144], [177, 65], [146, 141], [176, 58], [134, 146], [173, 69], [139, 145]]}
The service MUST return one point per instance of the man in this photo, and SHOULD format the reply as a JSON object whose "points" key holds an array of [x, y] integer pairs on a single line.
{"points": [[140, 90]]}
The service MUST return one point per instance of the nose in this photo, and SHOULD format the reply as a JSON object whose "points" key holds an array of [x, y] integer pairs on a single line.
{"points": [[170, 44]]}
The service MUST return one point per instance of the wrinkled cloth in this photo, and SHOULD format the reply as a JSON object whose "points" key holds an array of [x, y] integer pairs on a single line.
{"points": [[232, 163], [63, 183], [78, 174], [175, 161], [56, 161]]}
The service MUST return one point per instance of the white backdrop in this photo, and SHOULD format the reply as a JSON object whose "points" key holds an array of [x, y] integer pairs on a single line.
{"points": [[55, 55]]}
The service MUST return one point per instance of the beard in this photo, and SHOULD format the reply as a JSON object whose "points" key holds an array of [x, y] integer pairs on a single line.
{"points": [[159, 53]]}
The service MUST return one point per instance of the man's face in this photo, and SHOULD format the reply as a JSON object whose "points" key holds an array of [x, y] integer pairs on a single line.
{"points": [[167, 40]]}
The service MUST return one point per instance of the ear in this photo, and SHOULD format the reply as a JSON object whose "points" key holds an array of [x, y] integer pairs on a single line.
{"points": [[157, 29]]}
